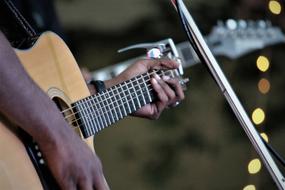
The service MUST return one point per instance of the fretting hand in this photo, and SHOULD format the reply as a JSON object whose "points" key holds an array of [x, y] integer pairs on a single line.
{"points": [[168, 90]]}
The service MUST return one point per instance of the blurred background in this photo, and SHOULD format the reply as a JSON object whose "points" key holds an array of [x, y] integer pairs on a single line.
{"points": [[199, 144]]}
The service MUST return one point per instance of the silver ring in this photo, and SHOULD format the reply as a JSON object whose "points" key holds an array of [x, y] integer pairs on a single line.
{"points": [[175, 104]]}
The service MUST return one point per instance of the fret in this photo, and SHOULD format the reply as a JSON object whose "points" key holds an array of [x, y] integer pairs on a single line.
{"points": [[92, 119], [135, 89], [138, 92], [131, 101], [104, 110], [133, 95], [152, 95], [89, 116], [146, 89], [120, 102], [86, 131], [143, 90], [99, 111], [101, 124], [124, 99], [110, 107], [93, 111], [86, 117], [116, 103]]}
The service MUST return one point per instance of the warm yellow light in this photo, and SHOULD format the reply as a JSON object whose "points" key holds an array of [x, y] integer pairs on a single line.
{"points": [[265, 137], [262, 63], [249, 187], [254, 166], [258, 116], [264, 86], [275, 7]]}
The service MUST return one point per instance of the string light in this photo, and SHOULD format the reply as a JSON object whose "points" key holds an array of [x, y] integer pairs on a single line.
{"points": [[275, 7], [264, 86], [265, 137], [254, 166], [249, 187], [262, 63], [258, 116]]}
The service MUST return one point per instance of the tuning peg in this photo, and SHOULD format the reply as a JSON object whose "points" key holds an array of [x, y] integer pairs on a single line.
{"points": [[242, 24], [251, 24], [262, 24], [231, 24]]}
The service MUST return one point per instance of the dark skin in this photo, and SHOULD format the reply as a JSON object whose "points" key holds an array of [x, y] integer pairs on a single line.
{"points": [[72, 163]]}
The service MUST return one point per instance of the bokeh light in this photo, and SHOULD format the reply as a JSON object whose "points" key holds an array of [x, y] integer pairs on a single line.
{"points": [[264, 86], [254, 166], [249, 187], [275, 7], [262, 63], [265, 137], [258, 116]]}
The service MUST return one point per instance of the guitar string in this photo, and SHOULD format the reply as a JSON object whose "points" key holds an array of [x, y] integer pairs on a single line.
{"points": [[112, 102], [93, 102], [101, 95], [91, 119], [102, 113], [125, 84]]}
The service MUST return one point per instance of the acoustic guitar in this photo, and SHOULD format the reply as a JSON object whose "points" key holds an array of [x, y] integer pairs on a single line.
{"points": [[52, 66]]}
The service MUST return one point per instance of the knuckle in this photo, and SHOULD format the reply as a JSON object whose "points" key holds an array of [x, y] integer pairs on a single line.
{"points": [[164, 99], [172, 95]]}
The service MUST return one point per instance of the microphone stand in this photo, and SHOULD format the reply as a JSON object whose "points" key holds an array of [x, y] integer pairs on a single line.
{"points": [[207, 57]]}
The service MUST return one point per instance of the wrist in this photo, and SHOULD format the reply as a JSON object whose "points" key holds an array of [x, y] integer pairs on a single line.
{"points": [[98, 85]]}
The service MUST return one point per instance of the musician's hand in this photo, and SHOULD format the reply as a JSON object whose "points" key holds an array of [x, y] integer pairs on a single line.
{"points": [[73, 164], [169, 91]]}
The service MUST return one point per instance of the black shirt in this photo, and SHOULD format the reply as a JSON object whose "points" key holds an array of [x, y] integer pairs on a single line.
{"points": [[23, 20]]}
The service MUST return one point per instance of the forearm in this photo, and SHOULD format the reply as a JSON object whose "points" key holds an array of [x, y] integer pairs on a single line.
{"points": [[22, 101]]}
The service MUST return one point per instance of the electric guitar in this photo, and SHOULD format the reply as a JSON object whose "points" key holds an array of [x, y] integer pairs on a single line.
{"points": [[231, 39], [52, 66]]}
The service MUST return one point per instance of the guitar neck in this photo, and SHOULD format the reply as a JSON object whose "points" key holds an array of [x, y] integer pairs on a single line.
{"points": [[99, 111]]}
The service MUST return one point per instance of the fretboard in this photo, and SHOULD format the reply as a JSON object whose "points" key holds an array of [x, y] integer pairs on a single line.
{"points": [[99, 111]]}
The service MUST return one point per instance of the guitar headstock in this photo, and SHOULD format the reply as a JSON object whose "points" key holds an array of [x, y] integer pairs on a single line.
{"points": [[234, 39]]}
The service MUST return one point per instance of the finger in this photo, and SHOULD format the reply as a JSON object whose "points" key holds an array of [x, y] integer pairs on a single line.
{"points": [[174, 83], [67, 182], [166, 88], [159, 64], [100, 182], [85, 183], [168, 64], [163, 99]]}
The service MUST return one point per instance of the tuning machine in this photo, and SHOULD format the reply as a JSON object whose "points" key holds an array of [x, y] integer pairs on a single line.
{"points": [[165, 48]]}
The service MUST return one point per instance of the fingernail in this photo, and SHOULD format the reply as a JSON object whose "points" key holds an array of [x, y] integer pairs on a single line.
{"points": [[157, 77], [154, 81], [165, 78]]}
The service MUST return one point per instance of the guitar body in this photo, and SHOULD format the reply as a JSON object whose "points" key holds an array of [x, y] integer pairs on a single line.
{"points": [[52, 66]]}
